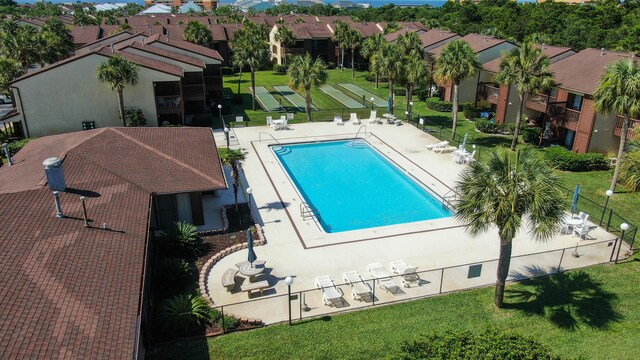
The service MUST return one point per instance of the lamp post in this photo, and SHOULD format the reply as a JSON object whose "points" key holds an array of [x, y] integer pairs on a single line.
{"points": [[406, 113], [250, 191], [608, 193], [624, 227], [289, 281], [372, 103], [220, 114], [226, 135], [410, 110]]}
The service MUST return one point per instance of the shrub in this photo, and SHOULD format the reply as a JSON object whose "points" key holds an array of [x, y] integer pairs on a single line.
{"points": [[566, 160], [15, 146], [630, 170], [399, 91], [458, 344], [134, 117], [422, 94], [436, 104], [183, 313], [469, 111], [175, 271], [230, 322], [280, 69], [184, 240], [370, 77], [331, 65], [531, 134], [488, 126]]}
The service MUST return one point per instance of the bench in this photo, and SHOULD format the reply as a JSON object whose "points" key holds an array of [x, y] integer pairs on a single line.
{"points": [[229, 279], [256, 286]]}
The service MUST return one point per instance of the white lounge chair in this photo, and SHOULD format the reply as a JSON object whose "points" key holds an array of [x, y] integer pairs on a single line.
{"points": [[582, 231], [360, 290], [444, 149], [437, 145], [331, 294], [271, 123], [469, 158], [373, 118], [353, 119], [337, 120], [408, 273], [377, 271]]}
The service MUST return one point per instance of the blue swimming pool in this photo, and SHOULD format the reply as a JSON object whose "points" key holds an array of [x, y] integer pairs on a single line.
{"points": [[353, 187]]}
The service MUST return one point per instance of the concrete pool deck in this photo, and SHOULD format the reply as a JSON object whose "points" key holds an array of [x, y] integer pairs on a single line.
{"points": [[299, 248]]}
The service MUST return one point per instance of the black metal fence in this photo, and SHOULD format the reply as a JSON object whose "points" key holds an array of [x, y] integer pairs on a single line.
{"points": [[275, 307]]}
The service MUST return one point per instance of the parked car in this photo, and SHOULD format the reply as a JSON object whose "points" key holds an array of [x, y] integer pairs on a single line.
{"points": [[5, 99]]}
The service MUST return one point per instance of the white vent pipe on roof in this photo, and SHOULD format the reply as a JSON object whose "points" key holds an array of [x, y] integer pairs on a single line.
{"points": [[55, 174], [7, 153], [56, 199]]}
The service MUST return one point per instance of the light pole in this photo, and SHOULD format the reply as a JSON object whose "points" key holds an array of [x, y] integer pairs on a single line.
{"points": [[226, 135], [372, 103], [624, 227], [289, 281], [406, 113], [250, 191], [220, 114], [410, 110], [608, 193]]}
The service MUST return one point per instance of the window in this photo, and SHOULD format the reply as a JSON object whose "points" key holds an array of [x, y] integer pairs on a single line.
{"points": [[574, 102]]}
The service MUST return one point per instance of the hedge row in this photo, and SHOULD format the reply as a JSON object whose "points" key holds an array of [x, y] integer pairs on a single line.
{"points": [[566, 160]]}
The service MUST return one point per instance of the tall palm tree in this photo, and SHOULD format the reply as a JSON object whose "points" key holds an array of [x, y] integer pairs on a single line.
{"points": [[456, 62], [341, 29], [118, 72], [415, 74], [508, 190], [410, 42], [233, 158], [305, 73], [390, 61], [9, 70], [251, 44], [375, 67], [183, 312], [19, 43], [286, 37], [239, 60], [197, 33], [369, 49], [528, 69], [618, 92], [352, 41]]}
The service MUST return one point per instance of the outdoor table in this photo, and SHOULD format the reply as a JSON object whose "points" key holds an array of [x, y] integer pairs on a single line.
{"points": [[246, 269], [390, 118], [279, 123]]}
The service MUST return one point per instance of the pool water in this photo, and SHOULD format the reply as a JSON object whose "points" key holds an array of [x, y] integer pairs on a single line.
{"points": [[353, 187]]}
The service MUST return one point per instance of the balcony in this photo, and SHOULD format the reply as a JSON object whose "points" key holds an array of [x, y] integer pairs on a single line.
{"points": [[563, 116], [539, 102], [488, 93], [169, 104], [632, 133], [193, 92], [213, 82]]}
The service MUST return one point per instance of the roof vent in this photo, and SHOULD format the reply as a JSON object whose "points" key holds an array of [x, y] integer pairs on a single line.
{"points": [[56, 199], [142, 41], [7, 153], [54, 173], [543, 46], [602, 52], [111, 46]]}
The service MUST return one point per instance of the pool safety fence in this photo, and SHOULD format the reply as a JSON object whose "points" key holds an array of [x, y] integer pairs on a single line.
{"points": [[274, 306]]}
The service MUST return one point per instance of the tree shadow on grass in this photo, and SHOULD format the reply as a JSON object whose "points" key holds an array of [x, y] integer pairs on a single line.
{"points": [[566, 299], [196, 349]]}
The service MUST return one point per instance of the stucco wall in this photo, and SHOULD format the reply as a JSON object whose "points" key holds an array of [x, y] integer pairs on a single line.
{"points": [[494, 52], [602, 138], [58, 100], [272, 43]]}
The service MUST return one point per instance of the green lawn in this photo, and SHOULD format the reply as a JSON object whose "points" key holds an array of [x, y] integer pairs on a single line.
{"points": [[591, 313]]}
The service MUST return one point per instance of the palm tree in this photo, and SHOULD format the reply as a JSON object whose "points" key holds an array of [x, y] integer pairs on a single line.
{"points": [[410, 42], [528, 69], [506, 190], [239, 60], [9, 70], [251, 46], [618, 92], [339, 36], [183, 312], [390, 63], [351, 41], [369, 49], [416, 73], [286, 37], [375, 68], [456, 62], [19, 43], [304, 73], [233, 158], [118, 72], [197, 33]]}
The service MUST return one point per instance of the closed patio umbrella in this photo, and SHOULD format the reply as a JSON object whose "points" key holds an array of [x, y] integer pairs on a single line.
{"points": [[390, 105], [464, 141], [576, 196], [252, 255]]}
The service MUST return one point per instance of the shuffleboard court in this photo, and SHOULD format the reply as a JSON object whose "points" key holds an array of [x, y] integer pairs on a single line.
{"points": [[268, 102], [340, 96], [377, 101], [293, 97]]}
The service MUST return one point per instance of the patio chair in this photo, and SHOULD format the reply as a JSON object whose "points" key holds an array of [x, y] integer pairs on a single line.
{"points": [[408, 273], [331, 294], [360, 290], [271, 123], [469, 158], [437, 145], [337, 120], [373, 118], [582, 231], [353, 119], [378, 272]]}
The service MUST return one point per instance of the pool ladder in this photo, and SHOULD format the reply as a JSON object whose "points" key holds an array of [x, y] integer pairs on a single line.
{"points": [[307, 211], [451, 195]]}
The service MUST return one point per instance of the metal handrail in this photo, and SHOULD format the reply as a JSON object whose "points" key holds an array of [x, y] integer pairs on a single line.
{"points": [[358, 132], [307, 211], [271, 136], [451, 194]]}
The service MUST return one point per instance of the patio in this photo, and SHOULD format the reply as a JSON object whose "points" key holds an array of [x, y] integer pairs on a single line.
{"points": [[441, 248]]}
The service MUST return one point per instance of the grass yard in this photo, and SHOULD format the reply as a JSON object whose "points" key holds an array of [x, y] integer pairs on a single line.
{"points": [[590, 314]]}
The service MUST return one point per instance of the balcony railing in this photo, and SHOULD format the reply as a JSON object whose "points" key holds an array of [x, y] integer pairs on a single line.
{"points": [[193, 91], [634, 128], [539, 102], [488, 93], [169, 104], [563, 116], [572, 116]]}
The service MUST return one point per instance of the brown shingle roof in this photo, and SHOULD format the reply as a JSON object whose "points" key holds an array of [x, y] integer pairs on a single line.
{"points": [[582, 71], [435, 36], [162, 52], [144, 62], [552, 52], [82, 285], [477, 42], [185, 45], [396, 34], [85, 34]]}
